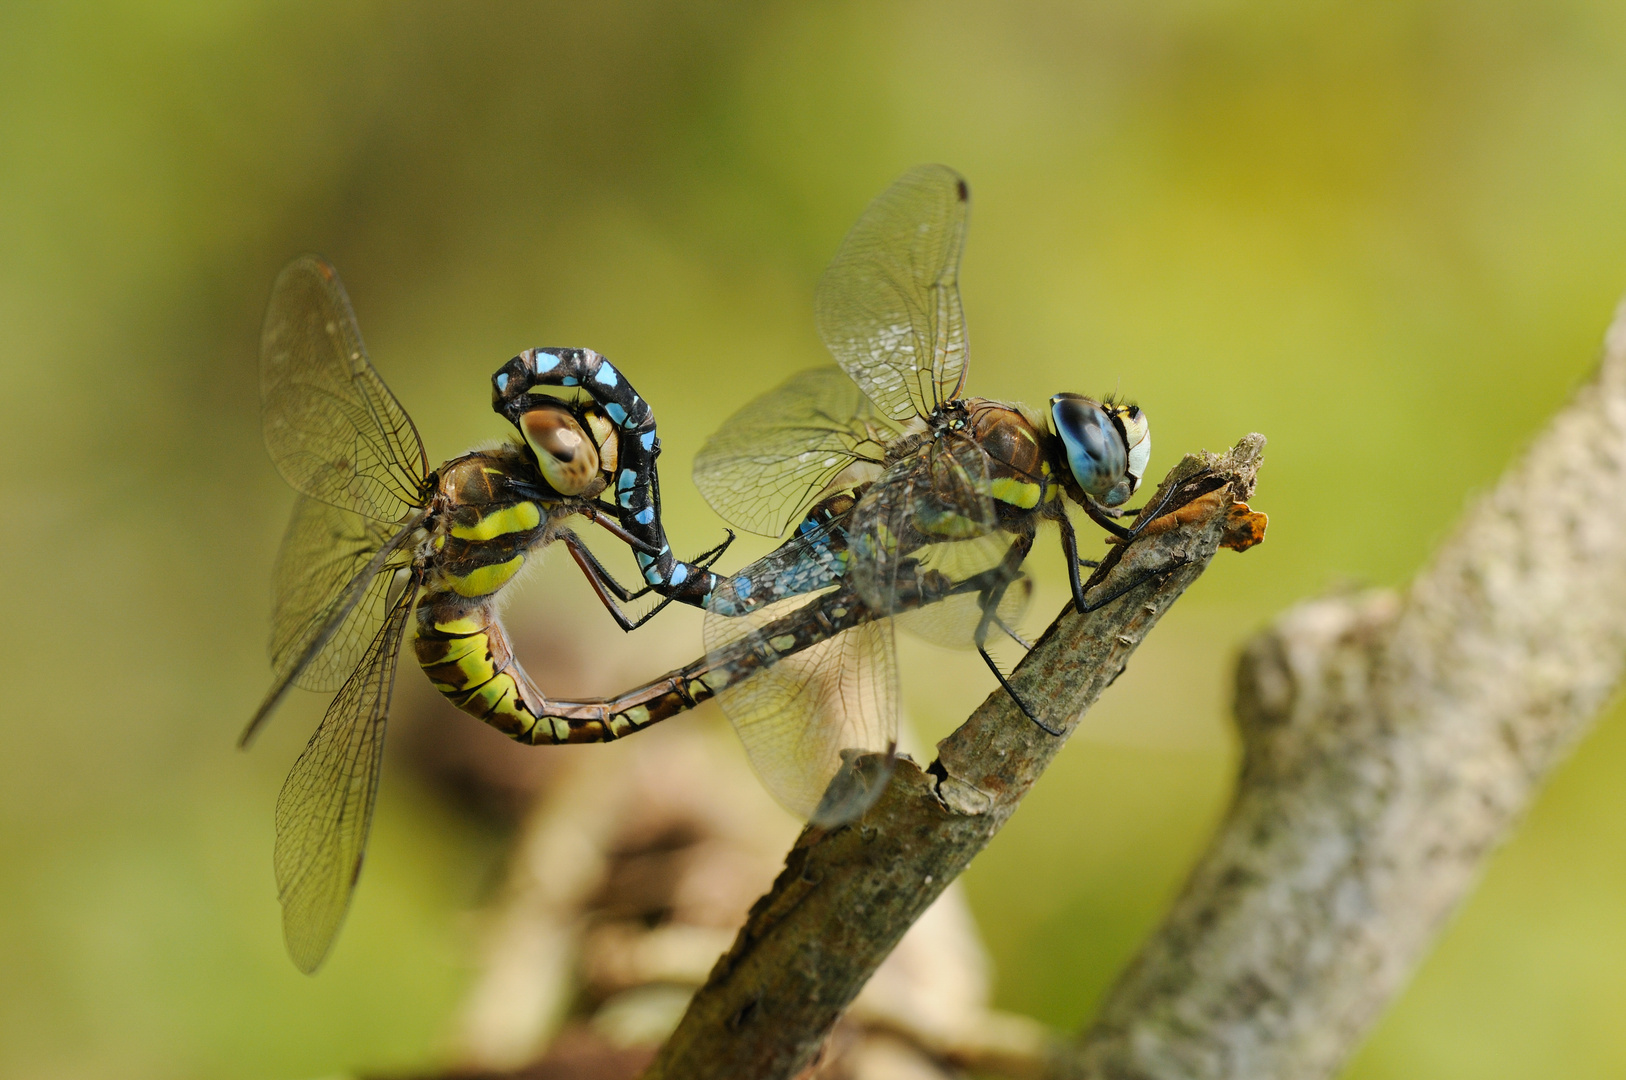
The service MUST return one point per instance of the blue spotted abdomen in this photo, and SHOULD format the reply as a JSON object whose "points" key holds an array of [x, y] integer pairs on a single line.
{"points": [[815, 557], [635, 484]]}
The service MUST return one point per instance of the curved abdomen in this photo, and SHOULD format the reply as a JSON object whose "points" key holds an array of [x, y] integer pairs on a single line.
{"points": [[466, 654], [634, 487]]}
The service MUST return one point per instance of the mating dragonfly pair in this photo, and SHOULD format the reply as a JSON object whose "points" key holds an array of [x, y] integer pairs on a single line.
{"points": [[914, 504]]}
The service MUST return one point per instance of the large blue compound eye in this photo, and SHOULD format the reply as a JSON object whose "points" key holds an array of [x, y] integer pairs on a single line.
{"points": [[1096, 452]]}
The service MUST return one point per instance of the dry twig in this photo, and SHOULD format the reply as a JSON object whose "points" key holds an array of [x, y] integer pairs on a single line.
{"points": [[846, 897]]}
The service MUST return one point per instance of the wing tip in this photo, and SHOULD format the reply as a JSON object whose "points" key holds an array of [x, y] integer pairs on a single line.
{"points": [[308, 956], [252, 728]]}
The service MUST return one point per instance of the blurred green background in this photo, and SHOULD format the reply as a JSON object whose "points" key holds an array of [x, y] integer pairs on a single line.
{"points": [[1387, 236]]}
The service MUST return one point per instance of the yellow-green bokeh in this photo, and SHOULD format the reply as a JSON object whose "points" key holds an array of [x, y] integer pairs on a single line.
{"points": [[1387, 236]]}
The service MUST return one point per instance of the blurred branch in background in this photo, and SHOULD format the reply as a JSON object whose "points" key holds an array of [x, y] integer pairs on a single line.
{"points": [[1390, 743], [630, 877]]}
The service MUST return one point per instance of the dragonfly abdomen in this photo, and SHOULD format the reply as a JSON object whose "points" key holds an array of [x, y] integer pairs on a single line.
{"points": [[465, 651], [634, 486], [821, 559]]}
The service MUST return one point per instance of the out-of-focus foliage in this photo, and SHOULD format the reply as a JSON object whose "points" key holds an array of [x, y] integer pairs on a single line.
{"points": [[1388, 236]]}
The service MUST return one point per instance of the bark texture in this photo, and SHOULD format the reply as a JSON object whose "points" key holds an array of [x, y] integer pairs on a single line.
{"points": [[846, 896], [1390, 743]]}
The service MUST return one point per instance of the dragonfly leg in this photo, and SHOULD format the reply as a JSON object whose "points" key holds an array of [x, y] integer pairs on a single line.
{"points": [[1203, 481], [1012, 634], [1069, 547], [604, 517], [1191, 488], [1102, 516], [1004, 683], [1129, 586], [989, 599], [609, 590], [606, 587], [711, 555]]}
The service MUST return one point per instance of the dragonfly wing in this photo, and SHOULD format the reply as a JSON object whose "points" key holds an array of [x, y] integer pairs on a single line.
{"points": [[326, 805], [332, 589], [768, 461], [333, 428], [326, 553], [952, 623], [930, 514], [888, 307], [805, 716]]}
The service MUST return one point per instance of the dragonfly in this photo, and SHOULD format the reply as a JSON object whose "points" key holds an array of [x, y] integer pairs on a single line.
{"points": [[378, 539], [914, 503]]}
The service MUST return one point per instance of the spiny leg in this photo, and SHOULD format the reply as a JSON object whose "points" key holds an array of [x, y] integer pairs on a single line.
{"points": [[1004, 683], [609, 590], [601, 516], [989, 597], [606, 587], [1027, 646], [1069, 547], [1130, 586], [605, 518], [711, 555], [1204, 481]]}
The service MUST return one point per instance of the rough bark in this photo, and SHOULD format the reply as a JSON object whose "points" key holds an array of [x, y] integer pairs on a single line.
{"points": [[1390, 743], [846, 896]]}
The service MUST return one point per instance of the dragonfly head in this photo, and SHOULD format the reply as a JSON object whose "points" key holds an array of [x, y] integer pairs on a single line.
{"points": [[569, 459], [1108, 445]]}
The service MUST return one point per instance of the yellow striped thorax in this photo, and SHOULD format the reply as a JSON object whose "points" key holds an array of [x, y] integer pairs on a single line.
{"points": [[1018, 472], [489, 513]]}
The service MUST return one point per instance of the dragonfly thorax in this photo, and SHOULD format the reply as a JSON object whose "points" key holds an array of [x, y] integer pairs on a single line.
{"points": [[485, 518], [1013, 451]]}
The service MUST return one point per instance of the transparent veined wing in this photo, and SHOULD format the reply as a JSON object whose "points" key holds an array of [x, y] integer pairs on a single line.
{"points": [[952, 622], [333, 428], [888, 307], [325, 807], [768, 461], [803, 716], [323, 552], [331, 591], [816, 558], [930, 515]]}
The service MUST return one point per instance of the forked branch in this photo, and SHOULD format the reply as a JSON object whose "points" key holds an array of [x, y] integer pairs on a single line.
{"points": [[845, 897]]}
